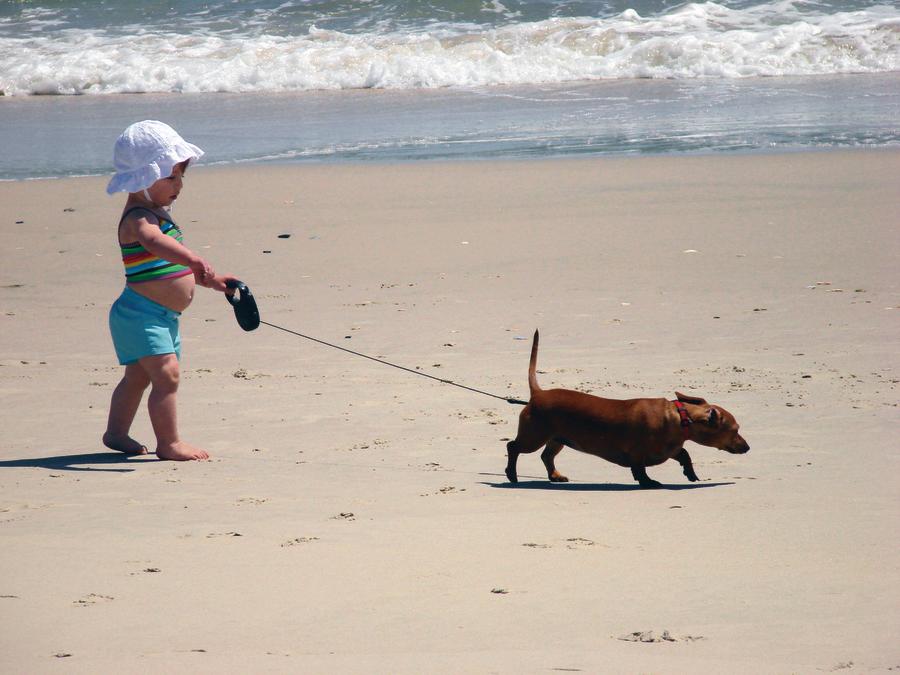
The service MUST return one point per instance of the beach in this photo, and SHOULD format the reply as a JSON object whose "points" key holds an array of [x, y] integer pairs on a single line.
{"points": [[355, 518]]}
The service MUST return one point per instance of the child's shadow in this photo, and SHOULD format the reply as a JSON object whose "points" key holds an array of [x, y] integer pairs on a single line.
{"points": [[82, 462]]}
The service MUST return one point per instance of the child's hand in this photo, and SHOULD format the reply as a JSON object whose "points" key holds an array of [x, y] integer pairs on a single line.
{"points": [[218, 283], [203, 271]]}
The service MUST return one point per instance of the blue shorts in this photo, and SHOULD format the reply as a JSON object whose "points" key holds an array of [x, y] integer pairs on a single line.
{"points": [[141, 327]]}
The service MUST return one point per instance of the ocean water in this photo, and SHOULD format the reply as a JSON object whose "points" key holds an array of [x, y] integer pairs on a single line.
{"points": [[326, 80]]}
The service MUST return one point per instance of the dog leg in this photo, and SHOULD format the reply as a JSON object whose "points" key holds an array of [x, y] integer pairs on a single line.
{"points": [[553, 448], [640, 475], [531, 436], [685, 460], [512, 451]]}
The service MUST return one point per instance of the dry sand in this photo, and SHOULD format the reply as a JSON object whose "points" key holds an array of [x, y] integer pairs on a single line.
{"points": [[355, 518]]}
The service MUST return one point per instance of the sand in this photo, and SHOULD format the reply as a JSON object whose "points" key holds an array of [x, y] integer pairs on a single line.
{"points": [[355, 518]]}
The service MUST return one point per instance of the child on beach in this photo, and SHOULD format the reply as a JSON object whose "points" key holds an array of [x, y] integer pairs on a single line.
{"points": [[160, 273]]}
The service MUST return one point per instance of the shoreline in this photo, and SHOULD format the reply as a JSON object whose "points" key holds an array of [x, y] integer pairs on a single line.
{"points": [[627, 117], [510, 86], [387, 163]]}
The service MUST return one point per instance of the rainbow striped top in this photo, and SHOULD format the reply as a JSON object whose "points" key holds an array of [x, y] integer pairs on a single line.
{"points": [[141, 265]]}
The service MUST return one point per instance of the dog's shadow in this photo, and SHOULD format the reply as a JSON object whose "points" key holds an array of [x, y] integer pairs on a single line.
{"points": [[87, 461], [543, 484]]}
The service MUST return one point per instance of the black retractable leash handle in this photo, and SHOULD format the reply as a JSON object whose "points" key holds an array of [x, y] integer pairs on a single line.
{"points": [[247, 315], [245, 310]]}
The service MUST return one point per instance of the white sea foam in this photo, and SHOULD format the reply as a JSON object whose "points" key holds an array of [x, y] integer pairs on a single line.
{"points": [[696, 40]]}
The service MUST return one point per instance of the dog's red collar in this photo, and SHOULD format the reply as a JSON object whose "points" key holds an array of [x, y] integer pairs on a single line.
{"points": [[686, 421]]}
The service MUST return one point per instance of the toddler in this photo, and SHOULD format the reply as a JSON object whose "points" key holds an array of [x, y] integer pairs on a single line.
{"points": [[160, 274]]}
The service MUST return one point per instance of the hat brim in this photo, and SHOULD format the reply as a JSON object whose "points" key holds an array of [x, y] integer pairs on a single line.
{"points": [[139, 179]]}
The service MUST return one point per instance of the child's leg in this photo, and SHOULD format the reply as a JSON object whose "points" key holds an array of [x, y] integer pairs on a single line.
{"points": [[164, 374], [125, 401]]}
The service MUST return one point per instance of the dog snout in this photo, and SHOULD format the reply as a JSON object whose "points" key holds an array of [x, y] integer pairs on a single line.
{"points": [[739, 447]]}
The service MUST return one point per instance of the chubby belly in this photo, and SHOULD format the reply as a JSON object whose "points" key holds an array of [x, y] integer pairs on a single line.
{"points": [[176, 294]]}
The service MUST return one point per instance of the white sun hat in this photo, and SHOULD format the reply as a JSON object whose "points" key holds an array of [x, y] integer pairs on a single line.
{"points": [[145, 152]]}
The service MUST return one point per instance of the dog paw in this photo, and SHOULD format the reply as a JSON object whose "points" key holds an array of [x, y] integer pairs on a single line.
{"points": [[511, 475], [558, 478], [651, 485]]}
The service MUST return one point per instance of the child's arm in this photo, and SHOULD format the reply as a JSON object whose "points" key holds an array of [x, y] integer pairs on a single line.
{"points": [[168, 248], [217, 283]]}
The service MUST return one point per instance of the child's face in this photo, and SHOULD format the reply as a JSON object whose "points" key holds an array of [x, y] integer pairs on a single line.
{"points": [[166, 190]]}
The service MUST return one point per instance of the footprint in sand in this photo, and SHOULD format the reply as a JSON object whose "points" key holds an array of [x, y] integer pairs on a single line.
{"points": [[299, 540], [255, 501], [649, 636], [92, 599], [572, 543], [447, 489], [147, 570]]}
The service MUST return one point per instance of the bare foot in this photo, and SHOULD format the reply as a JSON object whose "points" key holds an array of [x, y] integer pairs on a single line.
{"points": [[124, 444], [181, 452]]}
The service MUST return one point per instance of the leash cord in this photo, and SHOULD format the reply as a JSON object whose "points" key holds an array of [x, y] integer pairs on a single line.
{"points": [[514, 401]]}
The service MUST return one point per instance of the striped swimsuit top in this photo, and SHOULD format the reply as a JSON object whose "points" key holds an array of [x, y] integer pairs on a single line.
{"points": [[141, 265]]}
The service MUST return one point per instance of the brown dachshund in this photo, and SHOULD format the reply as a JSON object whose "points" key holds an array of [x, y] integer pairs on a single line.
{"points": [[634, 433]]}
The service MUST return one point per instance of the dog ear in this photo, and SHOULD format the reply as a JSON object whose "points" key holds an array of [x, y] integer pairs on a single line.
{"points": [[690, 399], [714, 418]]}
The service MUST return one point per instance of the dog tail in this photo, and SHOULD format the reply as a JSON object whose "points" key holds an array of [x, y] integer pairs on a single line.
{"points": [[532, 366]]}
